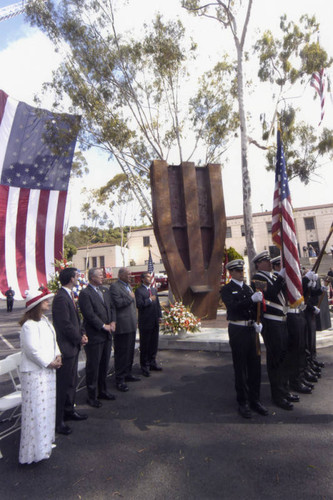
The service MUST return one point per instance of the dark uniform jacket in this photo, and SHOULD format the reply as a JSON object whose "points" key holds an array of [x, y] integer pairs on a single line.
{"points": [[238, 301], [275, 302]]}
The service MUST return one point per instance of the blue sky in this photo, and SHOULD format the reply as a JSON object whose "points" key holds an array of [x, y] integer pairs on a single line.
{"points": [[27, 59]]}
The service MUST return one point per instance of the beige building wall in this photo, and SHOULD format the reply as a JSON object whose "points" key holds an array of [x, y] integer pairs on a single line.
{"points": [[100, 255], [312, 227]]}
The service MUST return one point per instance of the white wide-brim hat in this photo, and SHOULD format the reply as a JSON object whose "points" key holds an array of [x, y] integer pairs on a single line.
{"points": [[34, 297]]}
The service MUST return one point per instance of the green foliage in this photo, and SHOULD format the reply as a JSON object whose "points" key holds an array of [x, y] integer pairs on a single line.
{"points": [[233, 254], [87, 235]]}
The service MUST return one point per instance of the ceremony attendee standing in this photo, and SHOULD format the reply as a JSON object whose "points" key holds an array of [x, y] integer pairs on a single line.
{"points": [[124, 336], [70, 337], [99, 322], [241, 303], [149, 314], [10, 299], [274, 331], [39, 362]]}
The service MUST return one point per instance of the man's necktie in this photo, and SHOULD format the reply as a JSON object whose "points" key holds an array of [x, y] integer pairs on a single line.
{"points": [[100, 294]]}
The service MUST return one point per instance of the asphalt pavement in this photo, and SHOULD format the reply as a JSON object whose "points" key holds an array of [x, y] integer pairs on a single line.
{"points": [[177, 435]]}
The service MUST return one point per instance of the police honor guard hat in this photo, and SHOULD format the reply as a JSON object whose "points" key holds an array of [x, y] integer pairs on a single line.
{"points": [[276, 261], [237, 264], [261, 256]]}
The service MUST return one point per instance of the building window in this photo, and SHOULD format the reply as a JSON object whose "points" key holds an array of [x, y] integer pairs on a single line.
{"points": [[94, 261], [146, 241], [102, 261], [309, 223], [228, 233], [243, 230], [269, 227]]}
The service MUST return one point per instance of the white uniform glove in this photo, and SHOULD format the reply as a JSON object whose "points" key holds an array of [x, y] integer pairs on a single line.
{"points": [[311, 275], [282, 273], [257, 297], [258, 327], [316, 310], [324, 288]]}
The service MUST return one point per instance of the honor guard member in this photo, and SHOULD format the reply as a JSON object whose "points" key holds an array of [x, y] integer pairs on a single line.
{"points": [[241, 303], [296, 356], [312, 290], [274, 331]]}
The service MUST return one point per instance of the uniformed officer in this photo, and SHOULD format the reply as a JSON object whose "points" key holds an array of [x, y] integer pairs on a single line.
{"points": [[241, 303], [274, 331], [296, 355]]}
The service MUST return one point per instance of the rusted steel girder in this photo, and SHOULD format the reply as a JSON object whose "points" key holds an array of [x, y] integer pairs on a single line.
{"points": [[190, 226]]}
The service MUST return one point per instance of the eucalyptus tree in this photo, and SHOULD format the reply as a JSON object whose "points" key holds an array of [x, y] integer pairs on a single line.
{"points": [[285, 61], [129, 90]]}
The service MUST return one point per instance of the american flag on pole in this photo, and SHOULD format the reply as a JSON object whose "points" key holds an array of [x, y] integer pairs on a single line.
{"points": [[283, 229], [33, 190], [151, 270], [318, 82]]}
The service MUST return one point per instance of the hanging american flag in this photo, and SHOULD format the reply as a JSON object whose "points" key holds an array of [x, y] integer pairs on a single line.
{"points": [[318, 82], [283, 229], [151, 270], [34, 179]]}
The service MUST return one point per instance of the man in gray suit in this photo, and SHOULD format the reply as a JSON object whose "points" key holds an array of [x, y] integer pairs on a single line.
{"points": [[124, 335]]}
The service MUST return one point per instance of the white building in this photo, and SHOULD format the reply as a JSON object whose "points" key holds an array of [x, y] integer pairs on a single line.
{"points": [[312, 228]]}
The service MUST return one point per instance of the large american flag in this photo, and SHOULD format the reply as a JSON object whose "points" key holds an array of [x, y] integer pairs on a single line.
{"points": [[151, 270], [283, 229], [319, 84], [34, 177]]}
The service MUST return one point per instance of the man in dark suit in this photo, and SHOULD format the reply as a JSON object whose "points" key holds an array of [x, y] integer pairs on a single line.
{"points": [[149, 310], [67, 325], [124, 336], [99, 322]]}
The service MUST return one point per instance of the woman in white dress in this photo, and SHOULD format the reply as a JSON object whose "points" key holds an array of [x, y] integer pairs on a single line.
{"points": [[40, 359]]}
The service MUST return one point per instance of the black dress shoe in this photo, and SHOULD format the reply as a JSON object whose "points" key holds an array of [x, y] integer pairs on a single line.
{"points": [[311, 378], [307, 383], [292, 398], [244, 411], [63, 429], [314, 368], [132, 378], [318, 363], [155, 368], [94, 403], [312, 372], [284, 404], [301, 388], [107, 395], [259, 408], [75, 415], [122, 387], [145, 372]]}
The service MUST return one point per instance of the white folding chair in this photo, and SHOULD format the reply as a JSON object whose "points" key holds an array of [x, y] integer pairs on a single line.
{"points": [[10, 403]]}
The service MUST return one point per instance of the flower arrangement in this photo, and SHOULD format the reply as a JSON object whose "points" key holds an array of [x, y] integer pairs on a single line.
{"points": [[54, 283], [178, 317]]}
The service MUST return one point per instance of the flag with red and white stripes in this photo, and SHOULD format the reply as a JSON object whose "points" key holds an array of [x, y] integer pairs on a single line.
{"points": [[34, 176], [318, 82], [151, 271], [283, 229]]}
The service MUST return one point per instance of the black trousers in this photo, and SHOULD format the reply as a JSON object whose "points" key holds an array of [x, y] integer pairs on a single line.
{"points": [[247, 363], [311, 332], [296, 355], [97, 367], [275, 335], [124, 344], [10, 304], [66, 382], [148, 345]]}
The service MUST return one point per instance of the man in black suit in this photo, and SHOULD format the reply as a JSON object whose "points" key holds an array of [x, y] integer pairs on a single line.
{"points": [[149, 310], [67, 325], [99, 322], [124, 336]]}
